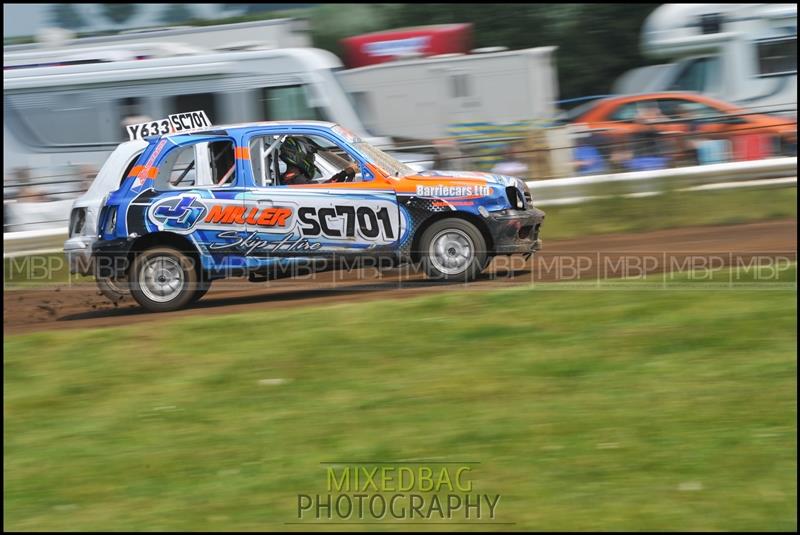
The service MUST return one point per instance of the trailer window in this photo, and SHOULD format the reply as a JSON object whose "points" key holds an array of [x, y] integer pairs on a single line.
{"points": [[777, 56], [287, 103], [460, 85], [60, 118]]}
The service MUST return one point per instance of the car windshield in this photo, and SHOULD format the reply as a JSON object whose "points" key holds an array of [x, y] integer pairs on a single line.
{"points": [[580, 109], [387, 163]]}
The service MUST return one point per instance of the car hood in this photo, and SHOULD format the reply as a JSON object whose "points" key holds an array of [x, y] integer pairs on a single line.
{"points": [[467, 177]]}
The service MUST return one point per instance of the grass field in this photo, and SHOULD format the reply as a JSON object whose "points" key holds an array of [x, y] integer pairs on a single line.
{"points": [[615, 215], [670, 210], [622, 409]]}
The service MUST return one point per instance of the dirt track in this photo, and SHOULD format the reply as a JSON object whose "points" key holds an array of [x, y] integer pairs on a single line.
{"points": [[596, 258]]}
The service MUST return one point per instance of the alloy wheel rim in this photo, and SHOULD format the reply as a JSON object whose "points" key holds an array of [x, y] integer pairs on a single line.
{"points": [[451, 251], [162, 279]]}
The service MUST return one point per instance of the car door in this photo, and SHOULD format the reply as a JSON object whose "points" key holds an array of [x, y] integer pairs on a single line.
{"points": [[317, 218], [198, 193]]}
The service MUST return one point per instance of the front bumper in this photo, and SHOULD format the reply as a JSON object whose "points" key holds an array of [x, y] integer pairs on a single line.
{"points": [[516, 231]]}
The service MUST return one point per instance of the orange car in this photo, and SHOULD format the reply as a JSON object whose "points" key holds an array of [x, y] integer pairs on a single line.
{"points": [[676, 112]]}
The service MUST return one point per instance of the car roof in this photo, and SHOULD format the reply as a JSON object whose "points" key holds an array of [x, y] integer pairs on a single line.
{"points": [[223, 129], [688, 95]]}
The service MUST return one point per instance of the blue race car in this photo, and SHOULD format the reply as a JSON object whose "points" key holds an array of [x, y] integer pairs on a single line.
{"points": [[206, 202]]}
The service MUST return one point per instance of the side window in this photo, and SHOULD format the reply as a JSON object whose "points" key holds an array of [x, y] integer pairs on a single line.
{"points": [[671, 108], [284, 159], [777, 56], [694, 109], [184, 170], [626, 112], [263, 159], [208, 164]]}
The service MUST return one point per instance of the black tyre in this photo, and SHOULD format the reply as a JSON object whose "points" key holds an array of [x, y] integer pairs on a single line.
{"points": [[113, 290], [163, 279], [453, 250], [202, 289]]}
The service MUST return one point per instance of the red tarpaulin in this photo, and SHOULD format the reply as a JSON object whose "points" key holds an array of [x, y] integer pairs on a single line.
{"points": [[379, 47]]}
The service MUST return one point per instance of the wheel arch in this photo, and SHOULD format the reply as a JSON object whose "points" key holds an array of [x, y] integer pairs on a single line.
{"points": [[168, 239]]}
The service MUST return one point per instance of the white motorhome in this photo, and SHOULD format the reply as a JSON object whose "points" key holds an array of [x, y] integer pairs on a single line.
{"points": [[742, 53], [55, 116], [290, 33], [426, 98]]}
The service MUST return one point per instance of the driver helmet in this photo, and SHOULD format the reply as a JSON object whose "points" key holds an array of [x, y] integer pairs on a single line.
{"points": [[299, 154]]}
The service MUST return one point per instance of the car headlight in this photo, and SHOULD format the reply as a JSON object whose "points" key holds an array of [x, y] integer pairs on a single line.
{"points": [[515, 199], [526, 193], [519, 195]]}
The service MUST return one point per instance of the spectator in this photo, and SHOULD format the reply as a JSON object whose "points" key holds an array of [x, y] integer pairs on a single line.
{"points": [[588, 156], [512, 164], [647, 147], [789, 144], [27, 192]]}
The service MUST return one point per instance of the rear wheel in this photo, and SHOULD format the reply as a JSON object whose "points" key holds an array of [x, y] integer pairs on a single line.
{"points": [[453, 249], [114, 290], [163, 279]]}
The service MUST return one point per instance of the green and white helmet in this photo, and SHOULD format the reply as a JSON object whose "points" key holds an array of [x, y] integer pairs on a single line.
{"points": [[298, 153]]}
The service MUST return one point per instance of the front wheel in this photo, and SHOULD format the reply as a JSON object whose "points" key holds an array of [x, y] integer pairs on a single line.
{"points": [[163, 279], [453, 249], [202, 289]]}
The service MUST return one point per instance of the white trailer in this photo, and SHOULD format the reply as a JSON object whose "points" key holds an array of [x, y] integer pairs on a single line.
{"points": [[427, 98]]}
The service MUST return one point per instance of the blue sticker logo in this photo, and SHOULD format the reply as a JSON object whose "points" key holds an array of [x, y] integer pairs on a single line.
{"points": [[178, 214]]}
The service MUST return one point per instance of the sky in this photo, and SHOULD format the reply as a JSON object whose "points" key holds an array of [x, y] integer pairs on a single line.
{"points": [[27, 19]]}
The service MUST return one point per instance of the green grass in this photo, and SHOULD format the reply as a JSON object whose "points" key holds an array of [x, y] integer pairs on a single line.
{"points": [[670, 210], [624, 409]]}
